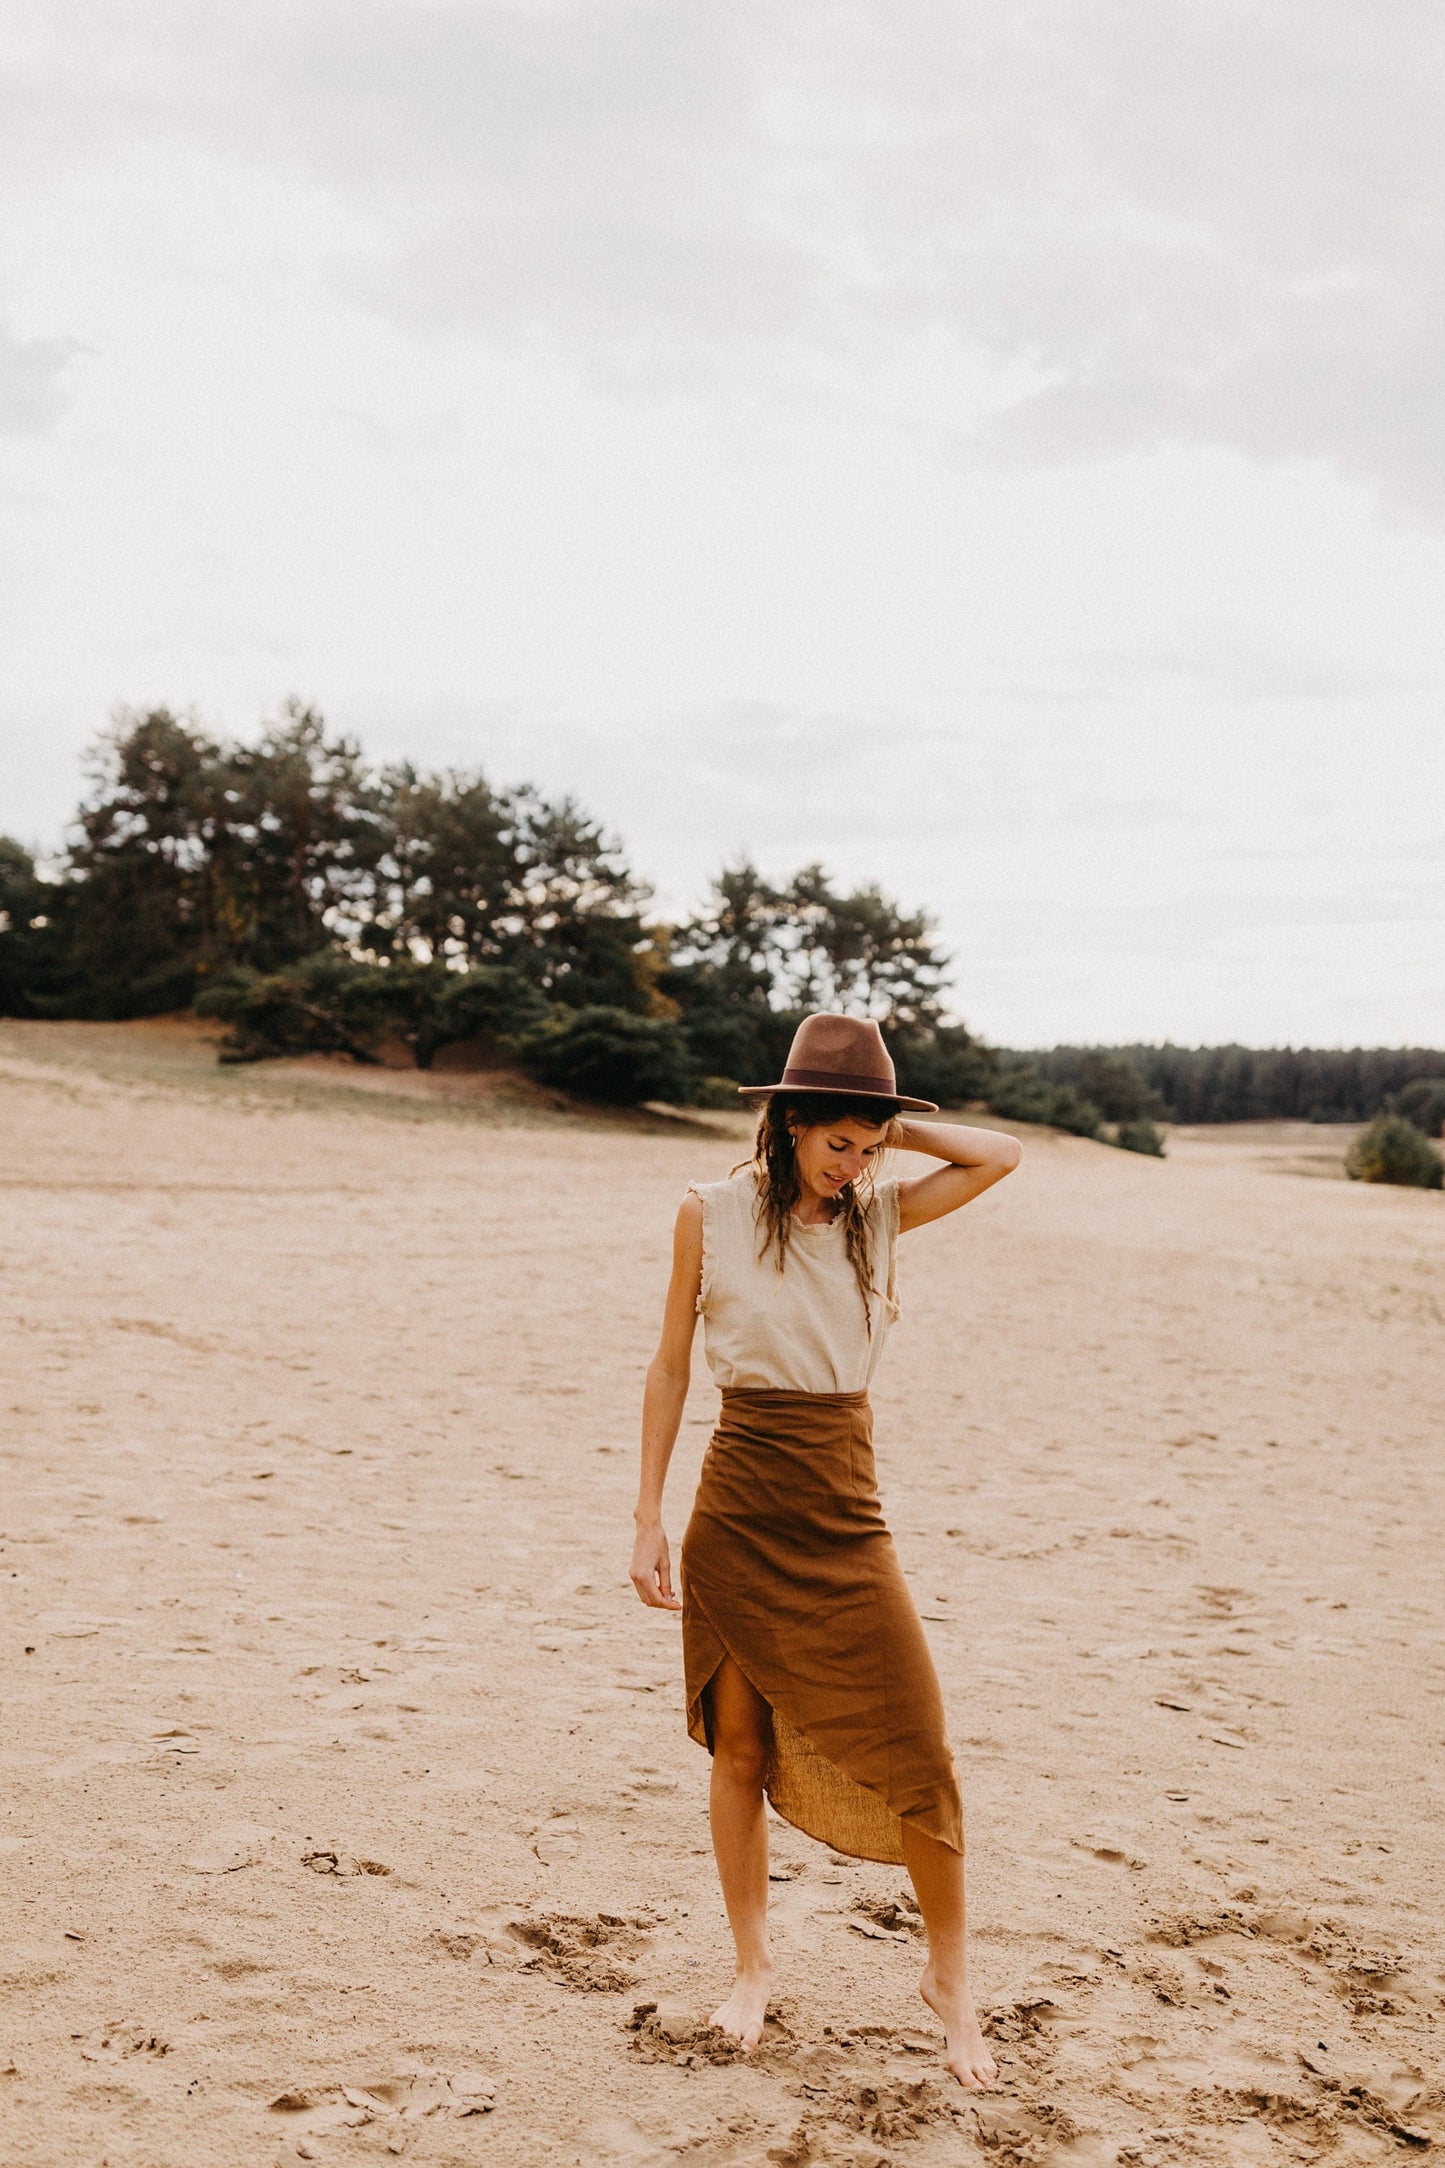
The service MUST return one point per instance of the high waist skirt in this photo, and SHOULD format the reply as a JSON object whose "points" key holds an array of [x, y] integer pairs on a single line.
{"points": [[788, 1567]]}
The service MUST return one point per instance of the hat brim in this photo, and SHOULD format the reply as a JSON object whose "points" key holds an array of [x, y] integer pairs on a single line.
{"points": [[753, 1093]]}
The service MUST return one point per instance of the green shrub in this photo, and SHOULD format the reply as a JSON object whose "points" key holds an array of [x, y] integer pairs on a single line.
{"points": [[719, 1093], [32, 911], [1140, 1135], [611, 1055], [1117, 1087], [321, 1005], [1022, 1095], [945, 1063], [331, 1004], [1393, 1150], [1423, 1104], [491, 1002]]}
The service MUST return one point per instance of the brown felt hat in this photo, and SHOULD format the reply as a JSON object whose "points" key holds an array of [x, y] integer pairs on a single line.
{"points": [[835, 1054]]}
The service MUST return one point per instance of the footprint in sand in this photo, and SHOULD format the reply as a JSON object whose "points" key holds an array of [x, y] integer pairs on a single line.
{"points": [[175, 1741], [1024, 2020], [341, 1864], [120, 2040], [1179, 1989], [584, 1954], [461, 1942], [1018, 2134], [1111, 1847], [313, 2112], [854, 2093], [558, 1840], [672, 2033], [889, 2113], [1180, 1930], [891, 2039], [483, 1933], [850, 2090], [1305, 2082], [887, 1919]]}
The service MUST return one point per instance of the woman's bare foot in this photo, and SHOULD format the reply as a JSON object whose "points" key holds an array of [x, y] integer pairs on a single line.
{"points": [[743, 2013], [968, 2055]]}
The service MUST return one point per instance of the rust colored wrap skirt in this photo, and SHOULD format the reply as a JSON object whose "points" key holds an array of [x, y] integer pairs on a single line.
{"points": [[788, 1567]]}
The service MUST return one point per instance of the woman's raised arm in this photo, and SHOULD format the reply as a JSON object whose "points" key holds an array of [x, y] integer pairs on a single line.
{"points": [[668, 1375], [977, 1158]]}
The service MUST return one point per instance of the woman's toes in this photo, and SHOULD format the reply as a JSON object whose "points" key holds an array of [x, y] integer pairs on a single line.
{"points": [[743, 2014]]}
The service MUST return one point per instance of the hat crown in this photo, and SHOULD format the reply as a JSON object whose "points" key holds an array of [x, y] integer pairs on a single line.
{"points": [[845, 1053], [844, 1056]]}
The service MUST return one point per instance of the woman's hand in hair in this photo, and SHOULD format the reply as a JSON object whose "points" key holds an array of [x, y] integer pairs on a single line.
{"points": [[651, 1569]]}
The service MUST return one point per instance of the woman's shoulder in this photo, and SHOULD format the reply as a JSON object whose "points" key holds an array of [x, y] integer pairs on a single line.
{"points": [[739, 1187], [726, 1208]]}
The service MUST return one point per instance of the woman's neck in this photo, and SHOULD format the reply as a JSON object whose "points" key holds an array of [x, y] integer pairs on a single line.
{"points": [[811, 1210]]}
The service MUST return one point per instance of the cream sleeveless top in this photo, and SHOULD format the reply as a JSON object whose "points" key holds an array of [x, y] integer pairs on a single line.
{"points": [[802, 1330]]}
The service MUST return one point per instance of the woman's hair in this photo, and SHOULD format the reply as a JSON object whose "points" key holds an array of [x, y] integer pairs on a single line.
{"points": [[775, 1165]]}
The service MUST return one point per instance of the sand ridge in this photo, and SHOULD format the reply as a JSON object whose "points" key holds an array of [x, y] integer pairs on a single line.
{"points": [[349, 1809]]}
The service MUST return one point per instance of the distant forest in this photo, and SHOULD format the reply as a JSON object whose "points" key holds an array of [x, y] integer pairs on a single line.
{"points": [[1249, 1084], [310, 900]]}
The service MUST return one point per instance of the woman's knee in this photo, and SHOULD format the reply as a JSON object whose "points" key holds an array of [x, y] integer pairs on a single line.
{"points": [[742, 1727], [741, 1754]]}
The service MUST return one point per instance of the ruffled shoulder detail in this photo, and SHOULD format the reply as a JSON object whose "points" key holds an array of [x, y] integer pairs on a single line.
{"points": [[705, 1193], [723, 1205]]}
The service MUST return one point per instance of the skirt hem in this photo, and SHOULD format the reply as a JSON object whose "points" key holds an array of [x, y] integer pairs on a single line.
{"points": [[792, 1745]]}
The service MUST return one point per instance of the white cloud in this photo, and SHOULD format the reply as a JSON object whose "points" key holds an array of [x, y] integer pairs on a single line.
{"points": [[1203, 223]]}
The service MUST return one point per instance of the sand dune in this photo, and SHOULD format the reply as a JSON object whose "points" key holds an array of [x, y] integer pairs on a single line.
{"points": [[348, 1806]]}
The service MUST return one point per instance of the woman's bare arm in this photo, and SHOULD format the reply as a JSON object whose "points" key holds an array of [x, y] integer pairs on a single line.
{"points": [[977, 1158], [668, 1375]]}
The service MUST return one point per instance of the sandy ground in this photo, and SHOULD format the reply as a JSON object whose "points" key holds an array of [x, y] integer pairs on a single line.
{"points": [[348, 1809]]}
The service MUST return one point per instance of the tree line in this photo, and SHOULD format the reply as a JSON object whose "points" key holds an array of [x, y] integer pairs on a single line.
{"points": [[1253, 1084], [312, 900], [194, 857]]}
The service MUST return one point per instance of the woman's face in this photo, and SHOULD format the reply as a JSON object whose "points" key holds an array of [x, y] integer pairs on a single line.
{"points": [[831, 1155]]}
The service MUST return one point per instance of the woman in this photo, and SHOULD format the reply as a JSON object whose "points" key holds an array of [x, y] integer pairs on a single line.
{"points": [[808, 1676]]}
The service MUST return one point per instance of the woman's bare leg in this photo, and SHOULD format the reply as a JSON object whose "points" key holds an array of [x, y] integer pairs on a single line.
{"points": [[741, 1742], [937, 1874]]}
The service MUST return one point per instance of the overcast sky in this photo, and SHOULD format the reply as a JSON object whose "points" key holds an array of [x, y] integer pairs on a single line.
{"points": [[996, 449]]}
